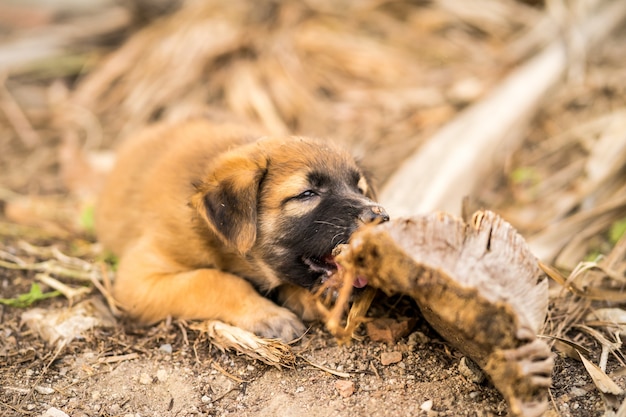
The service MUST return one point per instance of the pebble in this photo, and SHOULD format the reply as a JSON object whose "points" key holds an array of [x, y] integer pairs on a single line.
{"points": [[162, 375], [145, 379], [54, 412], [471, 371], [345, 388], [388, 358], [417, 338], [427, 405], [44, 390], [205, 399], [167, 348]]}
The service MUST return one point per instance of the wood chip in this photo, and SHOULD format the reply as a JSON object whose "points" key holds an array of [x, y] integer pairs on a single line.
{"points": [[388, 330]]}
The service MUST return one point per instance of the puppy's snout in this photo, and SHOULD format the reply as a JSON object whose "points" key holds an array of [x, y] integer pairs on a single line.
{"points": [[374, 213]]}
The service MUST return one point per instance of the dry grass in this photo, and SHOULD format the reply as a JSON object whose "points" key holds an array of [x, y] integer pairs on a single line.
{"points": [[378, 80]]}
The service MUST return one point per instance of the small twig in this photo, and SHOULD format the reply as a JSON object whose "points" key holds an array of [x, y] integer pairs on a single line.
{"points": [[374, 370], [16, 409], [105, 290], [119, 358], [70, 293], [52, 267], [554, 407], [228, 391], [15, 115], [227, 374], [325, 369], [11, 258], [182, 326]]}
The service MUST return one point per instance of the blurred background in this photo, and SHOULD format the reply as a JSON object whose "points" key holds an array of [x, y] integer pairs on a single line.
{"points": [[382, 77]]}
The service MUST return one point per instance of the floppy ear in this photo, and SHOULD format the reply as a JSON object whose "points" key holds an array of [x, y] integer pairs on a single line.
{"points": [[227, 197]]}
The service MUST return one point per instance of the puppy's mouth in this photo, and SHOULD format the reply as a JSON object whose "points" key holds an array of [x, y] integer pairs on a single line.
{"points": [[326, 266]]}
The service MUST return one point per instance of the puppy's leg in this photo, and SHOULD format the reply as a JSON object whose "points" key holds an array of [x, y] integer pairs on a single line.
{"points": [[299, 300], [150, 287]]}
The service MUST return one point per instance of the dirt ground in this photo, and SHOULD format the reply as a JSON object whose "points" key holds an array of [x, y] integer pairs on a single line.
{"points": [[171, 370]]}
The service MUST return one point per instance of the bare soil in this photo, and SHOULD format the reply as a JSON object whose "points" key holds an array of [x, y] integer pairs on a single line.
{"points": [[170, 370]]}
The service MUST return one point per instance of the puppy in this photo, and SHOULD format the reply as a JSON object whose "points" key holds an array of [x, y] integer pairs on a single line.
{"points": [[205, 218]]}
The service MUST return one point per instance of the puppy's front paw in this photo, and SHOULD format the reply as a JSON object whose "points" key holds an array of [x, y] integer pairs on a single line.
{"points": [[273, 322]]}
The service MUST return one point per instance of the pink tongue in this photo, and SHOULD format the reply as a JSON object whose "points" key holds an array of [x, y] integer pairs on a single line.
{"points": [[360, 282]]}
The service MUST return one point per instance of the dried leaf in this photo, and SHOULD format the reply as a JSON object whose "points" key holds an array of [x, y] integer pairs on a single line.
{"points": [[600, 379], [613, 318], [592, 293], [63, 325], [225, 337]]}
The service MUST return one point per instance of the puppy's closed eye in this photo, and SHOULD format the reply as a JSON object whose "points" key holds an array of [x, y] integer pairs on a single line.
{"points": [[306, 195]]}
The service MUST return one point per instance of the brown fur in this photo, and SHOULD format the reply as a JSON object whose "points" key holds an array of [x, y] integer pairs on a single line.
{"points": [[204, 217]]}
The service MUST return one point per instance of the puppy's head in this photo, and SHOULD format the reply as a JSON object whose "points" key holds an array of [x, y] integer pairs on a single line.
{"points": [[287, 203]]}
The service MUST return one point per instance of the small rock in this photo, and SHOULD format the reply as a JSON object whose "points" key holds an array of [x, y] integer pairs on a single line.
{"points": [[427, 405], [345, 388], [299, 390], [145, 379], [54, 412], [578, 392], [167, 348], [388, 358], [205, 399], [471, 371], [44, 390], [418, 338], [161, 375]]}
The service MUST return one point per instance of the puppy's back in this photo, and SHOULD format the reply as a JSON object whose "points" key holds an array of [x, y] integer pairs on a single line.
{"points": [[149, 188]]}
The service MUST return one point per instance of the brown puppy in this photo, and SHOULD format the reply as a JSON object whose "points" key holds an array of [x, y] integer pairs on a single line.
{"points": [[204, 217]]}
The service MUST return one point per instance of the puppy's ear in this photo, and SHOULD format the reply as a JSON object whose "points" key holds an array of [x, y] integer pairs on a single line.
{"points": [[227, 197]]}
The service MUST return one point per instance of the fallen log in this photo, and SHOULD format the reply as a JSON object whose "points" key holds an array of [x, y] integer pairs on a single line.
{"points": [[476, 284]]}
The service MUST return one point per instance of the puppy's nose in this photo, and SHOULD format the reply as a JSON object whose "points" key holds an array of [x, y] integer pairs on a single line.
{"points": [[373, 213]]}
